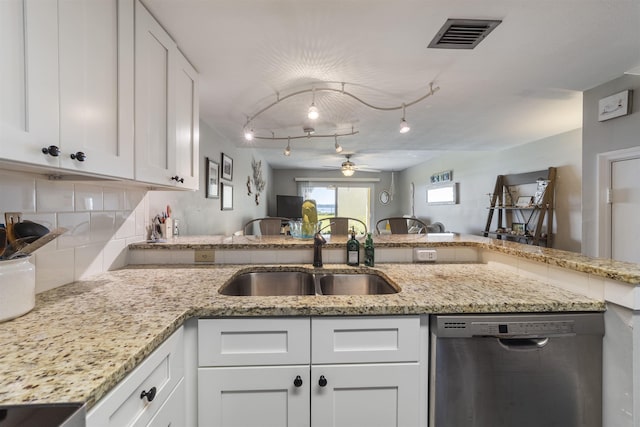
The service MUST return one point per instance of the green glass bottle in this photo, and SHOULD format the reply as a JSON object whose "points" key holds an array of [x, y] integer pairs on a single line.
{"points": [[369, 251], [353, 250]]}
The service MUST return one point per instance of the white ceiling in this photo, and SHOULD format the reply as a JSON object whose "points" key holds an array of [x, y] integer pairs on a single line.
{"points": [[521, 84]]}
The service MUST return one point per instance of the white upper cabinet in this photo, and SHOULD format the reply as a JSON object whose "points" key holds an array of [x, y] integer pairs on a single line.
{"points": [[187, 123], [72, 100], [166, 104], [67, 84], [96, 86], [29, 115]]}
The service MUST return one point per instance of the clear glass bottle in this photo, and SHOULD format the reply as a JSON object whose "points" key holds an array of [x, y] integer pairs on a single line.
{"points": [[353, 250], [369, 251]]}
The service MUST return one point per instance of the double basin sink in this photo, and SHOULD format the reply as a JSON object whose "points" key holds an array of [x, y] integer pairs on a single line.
{"points": [[275, 283]]}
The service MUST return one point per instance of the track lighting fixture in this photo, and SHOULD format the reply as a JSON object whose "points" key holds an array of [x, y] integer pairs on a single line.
{"points": [[313, 114], [287, 151], [404, 126]]}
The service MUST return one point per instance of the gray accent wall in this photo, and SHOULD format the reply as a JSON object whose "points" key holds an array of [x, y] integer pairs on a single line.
{"points": [[602, 137], [476, 172]]}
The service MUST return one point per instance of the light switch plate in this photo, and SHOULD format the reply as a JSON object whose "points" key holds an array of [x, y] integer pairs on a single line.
{"points": [[425, 255], [205, 255]]}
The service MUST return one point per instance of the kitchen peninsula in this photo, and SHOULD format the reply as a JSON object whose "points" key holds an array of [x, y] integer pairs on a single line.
{"points": [[82, 339]]}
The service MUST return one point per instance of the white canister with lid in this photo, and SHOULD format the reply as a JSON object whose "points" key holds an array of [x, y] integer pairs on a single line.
{"points": [[17, 287]]}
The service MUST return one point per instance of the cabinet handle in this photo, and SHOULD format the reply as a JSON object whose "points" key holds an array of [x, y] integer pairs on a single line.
{"points": [[177, 179], [51, 150], [150, 395], [298, 381], [322, 381], [79, 156]]}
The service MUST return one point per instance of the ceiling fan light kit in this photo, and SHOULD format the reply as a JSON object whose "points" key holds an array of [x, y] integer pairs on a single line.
{"points": [[313, 113]]}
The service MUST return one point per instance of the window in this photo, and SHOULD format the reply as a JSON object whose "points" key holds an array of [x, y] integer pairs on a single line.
{"points": [[339, 199]]}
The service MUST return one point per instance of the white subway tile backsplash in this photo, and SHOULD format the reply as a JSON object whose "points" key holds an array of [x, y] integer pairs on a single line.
{"points": [[132, 199], [136, 257], [125, 224], [54, 196], [102, 220], [17, 193], [88, 260], [79, 229], [115, 254], [53, 268], [102, 226], [113, 199], [88, 198]]}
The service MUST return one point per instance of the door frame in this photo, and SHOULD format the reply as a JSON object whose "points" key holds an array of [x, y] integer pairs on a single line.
{"points": [[604, 170]]}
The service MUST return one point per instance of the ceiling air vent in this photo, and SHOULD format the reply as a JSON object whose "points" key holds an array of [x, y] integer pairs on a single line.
{"points": [[462, 33]]}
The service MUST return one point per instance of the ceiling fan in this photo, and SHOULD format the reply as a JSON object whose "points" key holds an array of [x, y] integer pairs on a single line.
{"points": [[348, 168]]}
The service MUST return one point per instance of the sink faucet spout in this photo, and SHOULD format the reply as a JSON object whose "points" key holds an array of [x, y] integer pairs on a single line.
{"points": [[318, 241]]}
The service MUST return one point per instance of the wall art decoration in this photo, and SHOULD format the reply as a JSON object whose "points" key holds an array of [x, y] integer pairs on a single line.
{"points": [[616, 105], [444, 176], [226, 203], [227, 167], [213, 181]]}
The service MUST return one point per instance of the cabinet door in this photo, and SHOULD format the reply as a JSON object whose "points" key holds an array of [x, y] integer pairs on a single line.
{"points": [[155, 135], [187, 127], [253, 396], [173, 411], [96, 85], [29, 114], [380, 395]]}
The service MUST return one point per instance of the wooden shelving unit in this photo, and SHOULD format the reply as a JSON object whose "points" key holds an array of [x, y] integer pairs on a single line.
{"points": [[537, 217]]}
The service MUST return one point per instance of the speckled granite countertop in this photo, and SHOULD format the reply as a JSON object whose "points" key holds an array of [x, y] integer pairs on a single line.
{"points": [[616, 270], [83, 338]]}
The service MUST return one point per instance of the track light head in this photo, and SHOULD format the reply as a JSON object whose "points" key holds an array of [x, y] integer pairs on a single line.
{"points": [[248, 134], [338, 146], [313, 113], [287, 151], [404, 126]]}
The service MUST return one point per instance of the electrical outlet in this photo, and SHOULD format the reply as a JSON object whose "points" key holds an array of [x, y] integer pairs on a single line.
{"points": [[424, 255], [205, 255]]}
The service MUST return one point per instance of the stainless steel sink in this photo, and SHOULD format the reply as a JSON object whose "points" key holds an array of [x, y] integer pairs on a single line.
{"points": [[355, 284], [270, 283], [281, 283]]}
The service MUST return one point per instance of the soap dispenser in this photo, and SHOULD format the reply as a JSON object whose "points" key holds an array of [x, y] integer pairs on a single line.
{"points": [[353, 250]]}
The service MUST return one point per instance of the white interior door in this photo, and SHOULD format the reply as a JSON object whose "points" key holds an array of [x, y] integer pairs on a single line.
{"points": [[625, 207]]}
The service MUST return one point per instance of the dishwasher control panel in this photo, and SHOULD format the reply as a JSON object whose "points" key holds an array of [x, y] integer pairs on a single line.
{"points": [[518, 329], [511, 326]]}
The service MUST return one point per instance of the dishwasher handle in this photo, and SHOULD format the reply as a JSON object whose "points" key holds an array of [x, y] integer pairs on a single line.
{"points": [[523, 344]]}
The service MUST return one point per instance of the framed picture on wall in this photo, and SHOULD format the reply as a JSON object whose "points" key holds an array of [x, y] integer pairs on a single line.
{"points": [[213, 181], [227, 197], [227, 167], [616, 105]]}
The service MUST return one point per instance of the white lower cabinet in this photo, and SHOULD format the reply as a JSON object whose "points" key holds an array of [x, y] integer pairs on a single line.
{"points": [[153, 390], [318, 372]]}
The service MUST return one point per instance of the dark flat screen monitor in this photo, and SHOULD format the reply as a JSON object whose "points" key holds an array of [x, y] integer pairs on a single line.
{"points": [[289, 206]]}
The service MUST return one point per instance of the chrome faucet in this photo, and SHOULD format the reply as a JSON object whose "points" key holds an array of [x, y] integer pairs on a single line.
{"points": [[318, 241]]}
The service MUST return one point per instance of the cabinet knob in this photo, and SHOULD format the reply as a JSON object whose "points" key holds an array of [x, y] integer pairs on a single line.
{"points": [[298, 381], [79, 156], [177, 179], [322, 381], [51, 150], [150, 395]]}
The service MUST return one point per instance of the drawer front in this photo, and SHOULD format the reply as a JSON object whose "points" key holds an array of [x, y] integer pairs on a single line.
{"points": [[250, 342], [365, 339], [124, 406]]}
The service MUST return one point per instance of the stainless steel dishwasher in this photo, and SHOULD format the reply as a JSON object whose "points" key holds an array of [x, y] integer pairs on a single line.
{"points": [[538, 370]]}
